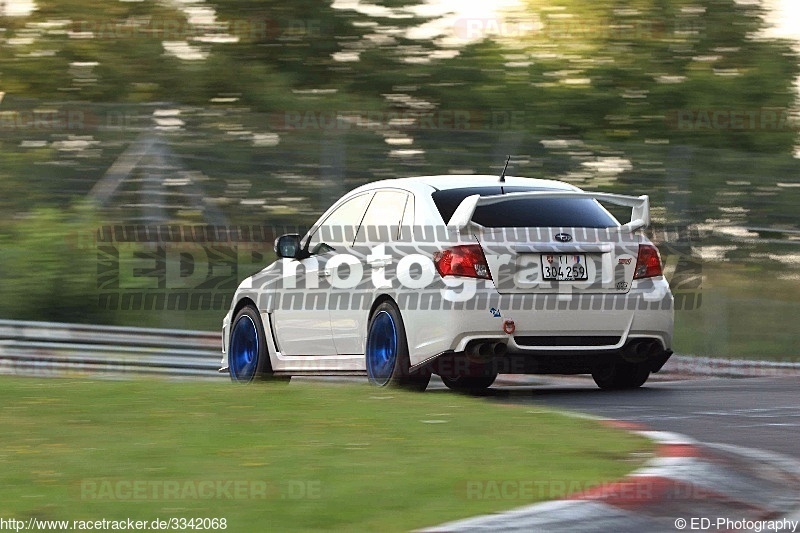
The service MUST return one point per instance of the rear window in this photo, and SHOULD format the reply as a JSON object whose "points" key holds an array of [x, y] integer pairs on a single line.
{"points": [[526, 213]]}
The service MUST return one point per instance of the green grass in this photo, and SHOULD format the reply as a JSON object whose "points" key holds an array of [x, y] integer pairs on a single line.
{"points": [[339, 457]]}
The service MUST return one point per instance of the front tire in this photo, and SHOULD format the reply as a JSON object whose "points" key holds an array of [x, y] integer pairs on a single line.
{"points": [[387, 357], [248, 359]]}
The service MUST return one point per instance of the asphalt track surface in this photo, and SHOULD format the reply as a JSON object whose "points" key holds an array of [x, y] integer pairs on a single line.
{"points": [[762, 413]]}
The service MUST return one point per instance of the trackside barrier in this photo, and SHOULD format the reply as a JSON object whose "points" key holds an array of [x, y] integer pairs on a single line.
{"points": [[58, 349]]}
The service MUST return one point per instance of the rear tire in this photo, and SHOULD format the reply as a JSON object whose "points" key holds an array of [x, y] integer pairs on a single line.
{"points": [[621, 375], [387, 358], [471, 384]]}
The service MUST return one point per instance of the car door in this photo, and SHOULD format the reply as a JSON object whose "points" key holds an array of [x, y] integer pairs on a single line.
{"points": [[302, 322], [349, 302]]}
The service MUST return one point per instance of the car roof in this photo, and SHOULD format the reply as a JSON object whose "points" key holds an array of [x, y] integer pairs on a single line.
{"points": [[461, 181]]}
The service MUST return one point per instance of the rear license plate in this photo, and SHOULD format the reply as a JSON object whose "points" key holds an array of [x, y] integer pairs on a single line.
{"points": [[564, 267]]}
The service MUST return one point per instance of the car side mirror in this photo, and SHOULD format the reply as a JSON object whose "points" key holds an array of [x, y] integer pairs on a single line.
{"points": [[288, 246]]}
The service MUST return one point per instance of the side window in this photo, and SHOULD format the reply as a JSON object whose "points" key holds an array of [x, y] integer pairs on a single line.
{"points": [[339, 228], [383, 218]]}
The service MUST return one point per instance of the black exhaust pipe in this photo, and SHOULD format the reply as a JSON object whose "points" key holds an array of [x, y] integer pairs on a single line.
{"points": [[641, 350], [485, 350]]}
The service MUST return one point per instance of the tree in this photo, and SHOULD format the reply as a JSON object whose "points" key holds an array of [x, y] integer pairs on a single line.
{"points": [[650, 69]]}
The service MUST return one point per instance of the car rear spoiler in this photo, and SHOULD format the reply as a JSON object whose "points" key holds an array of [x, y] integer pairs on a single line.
{"points": [[640, 205]]}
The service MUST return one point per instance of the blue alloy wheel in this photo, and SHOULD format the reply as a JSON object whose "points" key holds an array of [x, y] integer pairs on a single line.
{"points": [[381, 348], [243, 352]]}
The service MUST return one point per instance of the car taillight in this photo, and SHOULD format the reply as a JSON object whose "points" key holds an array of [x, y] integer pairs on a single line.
{"points": [[648, 263], [467, 260]]}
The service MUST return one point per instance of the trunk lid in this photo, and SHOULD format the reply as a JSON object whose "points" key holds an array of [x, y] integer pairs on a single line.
{"points": [[531, 247]]}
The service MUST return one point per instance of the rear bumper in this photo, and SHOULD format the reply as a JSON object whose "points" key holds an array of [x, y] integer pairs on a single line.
{"points": [[545, 326]]}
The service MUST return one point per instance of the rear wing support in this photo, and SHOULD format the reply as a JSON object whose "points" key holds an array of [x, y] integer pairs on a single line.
{"points": [[640, 205]]}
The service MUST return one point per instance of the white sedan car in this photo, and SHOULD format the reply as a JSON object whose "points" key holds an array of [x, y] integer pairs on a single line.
{"points": [[462, 276]]}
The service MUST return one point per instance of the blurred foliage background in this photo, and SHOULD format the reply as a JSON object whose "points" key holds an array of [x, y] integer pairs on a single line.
{"points": [[263, 113]]}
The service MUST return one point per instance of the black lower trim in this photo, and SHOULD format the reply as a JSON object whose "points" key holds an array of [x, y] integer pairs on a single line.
{"points": [[656, 363], [566, 340]]}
